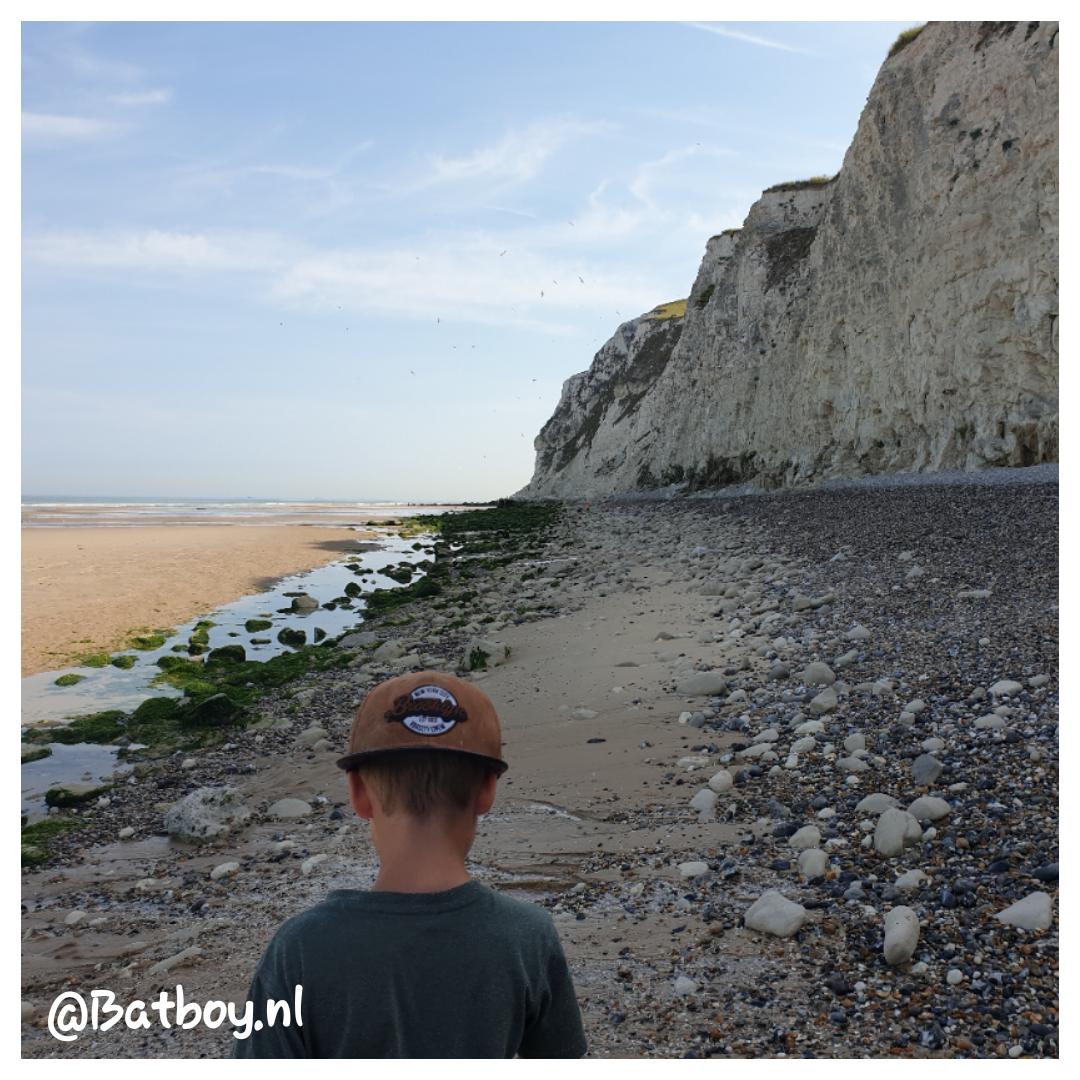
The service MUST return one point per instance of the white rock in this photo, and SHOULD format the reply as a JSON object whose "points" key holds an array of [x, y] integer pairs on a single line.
{"points": [[225, 869], [894, 829], [857, 633], [702, 683], [207, 813], [1005, 688], [824, 702], [704, 802], [495, 653], [954, 977], [774, 913], [991, 721], [721, 781], [126, 833], [852, 764], [911, 880], [684, 986], [813, 863], [288, 808], [809, 836], [181, 958], [1034, 912], [693, 869], [75, 917], [801, 746], [855, 742], [311, 862], [901, 935], [311, 735], [818, 674], [767, 736], [389, 650], [929, 808]]}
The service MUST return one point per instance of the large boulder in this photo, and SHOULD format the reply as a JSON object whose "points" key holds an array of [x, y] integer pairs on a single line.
{"points": [[207, 813]]}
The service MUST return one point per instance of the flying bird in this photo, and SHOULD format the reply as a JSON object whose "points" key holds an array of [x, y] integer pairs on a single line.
{"points": [[569, 222], [502, 253], [581, 279], [541, 294]]}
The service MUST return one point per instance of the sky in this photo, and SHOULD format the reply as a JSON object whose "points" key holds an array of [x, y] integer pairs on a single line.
{"points": [[358, 260]]}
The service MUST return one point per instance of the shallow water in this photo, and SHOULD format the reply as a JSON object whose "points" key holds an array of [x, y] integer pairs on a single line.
{"points": [[83, 762], [113, 688]]}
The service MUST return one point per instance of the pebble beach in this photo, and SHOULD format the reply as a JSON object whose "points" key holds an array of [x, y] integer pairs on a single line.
{"points": [[784, 770]]}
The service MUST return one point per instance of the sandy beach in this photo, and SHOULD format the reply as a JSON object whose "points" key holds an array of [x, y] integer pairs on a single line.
{"points": [[85, 589], [669, 741]]}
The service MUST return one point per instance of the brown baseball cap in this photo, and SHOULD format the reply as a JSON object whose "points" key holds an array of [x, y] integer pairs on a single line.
{"points": [[425, 710]]}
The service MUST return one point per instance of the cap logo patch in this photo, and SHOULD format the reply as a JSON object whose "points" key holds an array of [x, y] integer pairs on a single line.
{"points": [[428, 710]]}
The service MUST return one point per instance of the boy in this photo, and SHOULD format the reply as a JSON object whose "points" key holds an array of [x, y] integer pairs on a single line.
{"points": [[428, 963]]}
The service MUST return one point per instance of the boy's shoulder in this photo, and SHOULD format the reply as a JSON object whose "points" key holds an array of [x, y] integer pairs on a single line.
{"points": [[494, 910]]}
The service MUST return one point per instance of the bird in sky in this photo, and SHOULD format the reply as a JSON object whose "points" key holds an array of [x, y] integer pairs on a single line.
{"points": [[581, 279], [411, 372], [502, 253], [569, 222], [541, 294]]}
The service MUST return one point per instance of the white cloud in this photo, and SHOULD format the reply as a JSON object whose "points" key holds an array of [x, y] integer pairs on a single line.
{"points": [[670, 169], [55, 126], [750, 39], [458, 278], [154, 249], [518, 156], [161, 96]]}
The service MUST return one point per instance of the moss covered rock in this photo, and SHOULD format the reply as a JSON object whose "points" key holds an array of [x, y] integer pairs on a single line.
{"points": [[68, 680], [229, 654]]}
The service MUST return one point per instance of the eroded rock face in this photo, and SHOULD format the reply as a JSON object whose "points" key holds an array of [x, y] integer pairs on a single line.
{"points": [[901, 317]]}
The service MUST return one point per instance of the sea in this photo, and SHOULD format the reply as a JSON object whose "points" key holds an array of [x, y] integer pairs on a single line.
{"points": [[58, 511]]}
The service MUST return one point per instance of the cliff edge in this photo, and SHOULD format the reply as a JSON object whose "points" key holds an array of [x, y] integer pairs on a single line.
{"points": [[899, 316]]}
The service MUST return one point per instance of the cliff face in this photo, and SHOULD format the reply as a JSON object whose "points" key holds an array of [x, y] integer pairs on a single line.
{"points": [[900, 316]]}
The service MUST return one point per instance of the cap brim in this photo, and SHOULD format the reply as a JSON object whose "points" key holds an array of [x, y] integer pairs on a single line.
{"points": [[351, 761]]}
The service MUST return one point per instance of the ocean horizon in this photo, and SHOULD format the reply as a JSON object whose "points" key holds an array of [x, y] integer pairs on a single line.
{"points": [[58, 511]]}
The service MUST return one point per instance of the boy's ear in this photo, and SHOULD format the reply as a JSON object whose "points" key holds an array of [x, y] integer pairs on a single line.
{"points": [[486, 795], [359, 794]]}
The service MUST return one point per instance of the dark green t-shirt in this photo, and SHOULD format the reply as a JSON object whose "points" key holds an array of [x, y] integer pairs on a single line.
{"points": [[467, 972]]}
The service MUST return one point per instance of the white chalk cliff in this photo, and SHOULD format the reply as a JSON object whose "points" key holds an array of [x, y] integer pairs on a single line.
{"points": [[901, 316]]}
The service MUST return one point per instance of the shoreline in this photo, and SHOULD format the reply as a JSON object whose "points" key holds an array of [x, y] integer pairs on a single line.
{"points": [[614, 619], [87, 588]]}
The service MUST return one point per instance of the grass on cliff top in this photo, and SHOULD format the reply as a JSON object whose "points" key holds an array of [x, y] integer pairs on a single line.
{"points": [[801, 185], [674, 309], [905, 39]]}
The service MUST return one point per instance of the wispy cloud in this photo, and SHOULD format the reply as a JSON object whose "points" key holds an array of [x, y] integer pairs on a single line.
{"points": [[749, 39], [154, 249], [161, 96], [462, 278], [57, 126], [518, 156]]}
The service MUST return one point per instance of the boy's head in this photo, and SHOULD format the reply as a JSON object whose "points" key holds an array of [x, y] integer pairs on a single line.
{"points": [[425, 744]]}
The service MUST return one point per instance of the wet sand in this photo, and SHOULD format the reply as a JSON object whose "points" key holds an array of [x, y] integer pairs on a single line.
{"points": [[86, 589]]}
